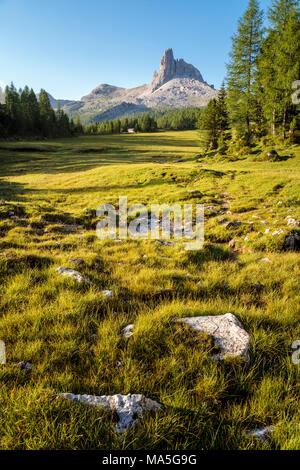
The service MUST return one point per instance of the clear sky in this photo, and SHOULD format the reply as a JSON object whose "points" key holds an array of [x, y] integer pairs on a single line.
{"points": [[69, 47]]}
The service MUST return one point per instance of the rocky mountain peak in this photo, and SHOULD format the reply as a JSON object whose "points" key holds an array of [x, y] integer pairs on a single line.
{"points": [[173, 68]]}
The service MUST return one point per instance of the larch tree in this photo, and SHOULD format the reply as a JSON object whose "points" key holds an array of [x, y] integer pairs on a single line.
{"points": [[242, 69]]}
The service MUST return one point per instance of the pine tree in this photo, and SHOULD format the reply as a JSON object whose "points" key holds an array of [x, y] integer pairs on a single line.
{"points": [[78, 126], [209, 122], [242, 69], [47, 114], [223, 119]]}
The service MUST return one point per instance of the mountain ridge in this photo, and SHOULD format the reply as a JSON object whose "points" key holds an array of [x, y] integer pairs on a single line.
{"points": [[176, 85]]}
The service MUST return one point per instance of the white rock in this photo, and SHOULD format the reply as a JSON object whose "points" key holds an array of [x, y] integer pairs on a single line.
{"points": [[261, 433], [278, 232], [267, 230], [127, 331], [107, 293], [292, 222], [129, 407], [71, 273], [265, 260], [227, 332]]}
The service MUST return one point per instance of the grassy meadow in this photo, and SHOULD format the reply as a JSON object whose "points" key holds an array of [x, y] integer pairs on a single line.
{"points": [[70, 333]]}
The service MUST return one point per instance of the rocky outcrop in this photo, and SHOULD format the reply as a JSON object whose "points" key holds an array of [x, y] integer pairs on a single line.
{"points": [[129, 408], [171, 68]]}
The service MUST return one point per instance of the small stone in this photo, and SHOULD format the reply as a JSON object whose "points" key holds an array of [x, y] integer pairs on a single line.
{"points": [[278, 232], [265, 260], [127, 331], [292, 222], [77, 261], [107, 293], [267, 230], [194, 191], [166, 243], [73, 274], [232, 243], [261, 433], [233, 224], [27, 366]]}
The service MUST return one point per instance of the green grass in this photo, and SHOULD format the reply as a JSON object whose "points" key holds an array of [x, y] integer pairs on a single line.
{"points": [[71, 334]]}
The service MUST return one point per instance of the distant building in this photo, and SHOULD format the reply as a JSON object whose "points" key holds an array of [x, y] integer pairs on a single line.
{"points": [[131, 131]]}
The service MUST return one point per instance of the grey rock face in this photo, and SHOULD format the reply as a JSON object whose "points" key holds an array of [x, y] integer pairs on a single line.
{"points": [[130, 408], [227, 332], [171, 68]]}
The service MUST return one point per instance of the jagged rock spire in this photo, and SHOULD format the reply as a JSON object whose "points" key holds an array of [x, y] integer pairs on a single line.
{"points": [[171, 68]]}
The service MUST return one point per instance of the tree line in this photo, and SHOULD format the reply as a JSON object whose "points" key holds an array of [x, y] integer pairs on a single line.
{"points": [[23, 115], [261, 74], [178, 119]]}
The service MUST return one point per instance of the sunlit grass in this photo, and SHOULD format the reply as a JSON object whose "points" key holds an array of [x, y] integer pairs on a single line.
{"points": [[71, 333]]}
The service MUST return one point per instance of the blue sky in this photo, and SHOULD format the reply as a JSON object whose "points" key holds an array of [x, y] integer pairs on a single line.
{"points": [[69, 47]]}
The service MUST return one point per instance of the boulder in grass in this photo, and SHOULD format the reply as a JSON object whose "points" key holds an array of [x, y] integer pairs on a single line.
{"points": [[129, 408], [73, 274], [227, 333]]}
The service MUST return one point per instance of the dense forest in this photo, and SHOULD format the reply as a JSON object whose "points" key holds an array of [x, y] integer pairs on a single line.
{"points": [[262, 75], [255, 100], [23, 115]]}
